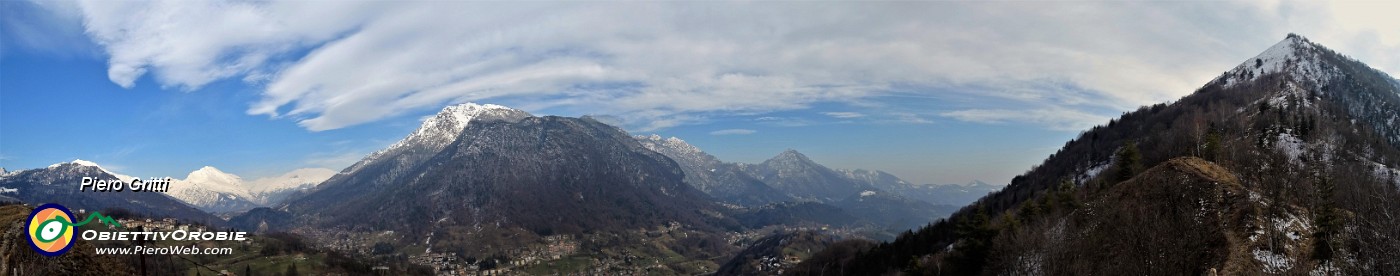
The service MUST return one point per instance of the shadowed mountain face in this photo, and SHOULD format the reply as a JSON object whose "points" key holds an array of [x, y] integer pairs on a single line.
{"points": [[1301, 179], [541, 174], [59, 184]]}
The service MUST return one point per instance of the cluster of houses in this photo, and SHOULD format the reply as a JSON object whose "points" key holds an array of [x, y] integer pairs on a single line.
{"points": [[555, 247]]}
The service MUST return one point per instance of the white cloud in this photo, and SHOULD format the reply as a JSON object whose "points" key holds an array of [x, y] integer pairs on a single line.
{"points": [[910, 118], [783, 121], [844, 115], [341, 159], [1052, 118], [733, 131], [656, 65], [47, 26]]}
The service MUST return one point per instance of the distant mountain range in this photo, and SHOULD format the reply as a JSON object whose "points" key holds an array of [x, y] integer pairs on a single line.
{"points": [[59, 183], [726, 182], [212, 190], [216, 191], [885, 201], [941, 194], [794, 176]]}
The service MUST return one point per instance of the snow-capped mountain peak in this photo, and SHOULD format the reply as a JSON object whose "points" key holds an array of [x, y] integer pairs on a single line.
{"points": [[441, 129], [1295, 55], [453, 119], [682, 145], [85, 163], [673, 143], [80, 162], [214, 190], [209, 174], [209, 179]]}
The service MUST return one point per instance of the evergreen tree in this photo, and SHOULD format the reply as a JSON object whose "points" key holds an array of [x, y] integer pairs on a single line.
{"points": [[1050, 202], [1212, 146], [1009, 222], [292, 270], [975, 242], [1065, 194], [1129, 161], [1326, 219], [1030, 209]]}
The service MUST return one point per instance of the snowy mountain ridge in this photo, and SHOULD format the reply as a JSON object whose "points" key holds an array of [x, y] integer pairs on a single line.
{"points": [[80, 162], [296, 179], [214, 190], [443, 128], [215, 180], [724, 181], [1295, 55]]}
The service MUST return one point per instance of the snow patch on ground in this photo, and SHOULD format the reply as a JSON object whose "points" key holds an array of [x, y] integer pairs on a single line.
{"points": [[1029, 264], [1385, 173], [867, 193], [1092, 172], [1290, 95], [5, 190], [1292, 226], [1326, 268], [1291, 146], [1273, 262]]}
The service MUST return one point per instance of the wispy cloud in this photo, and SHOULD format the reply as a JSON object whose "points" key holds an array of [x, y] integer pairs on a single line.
{"points": [[911, 118], [656, 65], [120, 152], [733, 131], [1052, 118], [783, 121], [844, 115], [335, 160]]}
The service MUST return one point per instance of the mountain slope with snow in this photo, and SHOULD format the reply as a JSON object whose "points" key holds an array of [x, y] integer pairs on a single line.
{"points": [[724, 181], [436, 132], [80, 162], [59, 183], [1281, 166], [212, 190], [216, 191], [270, 191], [506, 173]]}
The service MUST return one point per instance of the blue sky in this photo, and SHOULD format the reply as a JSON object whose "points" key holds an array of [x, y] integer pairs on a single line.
{"points": [[933, 92]]}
